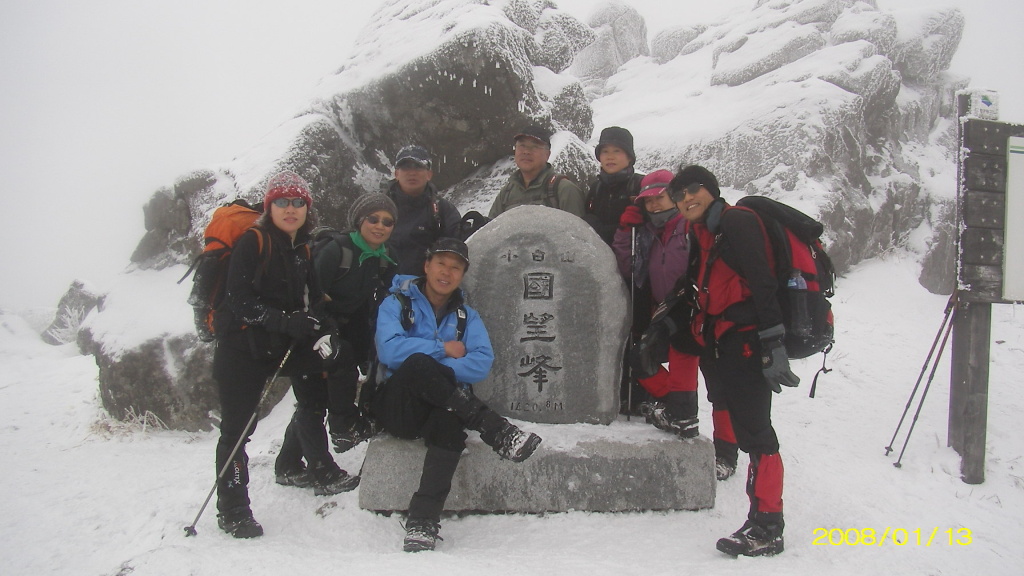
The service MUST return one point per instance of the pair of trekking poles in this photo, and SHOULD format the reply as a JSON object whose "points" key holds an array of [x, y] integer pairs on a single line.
{"points": [[944, 331]]}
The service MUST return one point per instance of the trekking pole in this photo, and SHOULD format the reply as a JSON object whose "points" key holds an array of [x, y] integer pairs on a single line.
{"points": [[632, 307], [191, 529], [950, 306], [924, 393]]}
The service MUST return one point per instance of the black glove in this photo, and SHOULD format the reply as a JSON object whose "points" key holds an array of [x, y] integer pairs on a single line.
{"points": [[336, 353], [299, 325], [774, 361], [651, 351]]}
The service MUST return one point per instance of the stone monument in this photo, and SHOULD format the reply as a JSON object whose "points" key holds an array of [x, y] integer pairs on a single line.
{"points": [[557, 313]]}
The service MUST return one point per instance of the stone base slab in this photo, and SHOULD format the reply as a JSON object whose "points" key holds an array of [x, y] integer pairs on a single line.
{"points": [[626, 469]]}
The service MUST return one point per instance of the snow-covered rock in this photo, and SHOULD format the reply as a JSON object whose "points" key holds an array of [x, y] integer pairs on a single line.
{"points": [[672, 41], [73, 307], [621, 36]]}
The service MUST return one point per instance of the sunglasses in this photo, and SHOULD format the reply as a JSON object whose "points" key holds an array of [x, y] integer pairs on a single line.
{"points": [[374, 220], [692, 188], [295, 202]]}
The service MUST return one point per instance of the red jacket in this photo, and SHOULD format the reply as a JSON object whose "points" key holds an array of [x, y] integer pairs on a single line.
{"points": [[734, 274]]}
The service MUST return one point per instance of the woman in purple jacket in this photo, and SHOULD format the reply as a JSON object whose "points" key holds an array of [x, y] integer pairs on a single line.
{"points": [[660, 257]]}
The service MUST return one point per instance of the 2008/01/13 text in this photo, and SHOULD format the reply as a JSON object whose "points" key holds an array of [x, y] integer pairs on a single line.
{"points": [[892, 536]]}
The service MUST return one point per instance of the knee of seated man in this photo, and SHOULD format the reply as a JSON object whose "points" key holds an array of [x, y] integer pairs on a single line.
{"points": [[446, 431]]}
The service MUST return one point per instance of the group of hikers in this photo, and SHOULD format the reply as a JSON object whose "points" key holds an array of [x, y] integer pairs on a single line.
{"points": [[386, 293]]}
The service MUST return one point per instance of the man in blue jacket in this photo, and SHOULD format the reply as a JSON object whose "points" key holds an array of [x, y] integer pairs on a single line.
{"points": [[432, 348]]}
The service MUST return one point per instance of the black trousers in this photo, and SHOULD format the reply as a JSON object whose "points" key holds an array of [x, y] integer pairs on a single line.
{"points": [[240, 383], [412, 404], [306, 435], [732, 371]]}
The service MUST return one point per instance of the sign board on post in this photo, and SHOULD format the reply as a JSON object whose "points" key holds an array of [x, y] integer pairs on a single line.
{"points": [[1013, 246]]}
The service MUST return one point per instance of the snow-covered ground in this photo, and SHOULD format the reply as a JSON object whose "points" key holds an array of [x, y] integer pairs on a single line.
{"points": [[84, 494]]}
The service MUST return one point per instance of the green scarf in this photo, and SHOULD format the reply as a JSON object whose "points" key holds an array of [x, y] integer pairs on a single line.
{"points": [[381, 252]]}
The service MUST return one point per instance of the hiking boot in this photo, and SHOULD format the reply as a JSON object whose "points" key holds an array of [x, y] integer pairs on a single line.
{"points": [[753, 540], [300, 478], [241, 525], [723, 468], [420, 535], [334, 482], [657, 413], [513, 444], [359, 431]]}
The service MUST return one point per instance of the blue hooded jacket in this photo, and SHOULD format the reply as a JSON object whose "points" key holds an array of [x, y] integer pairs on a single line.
{"points": [[425, 335]]}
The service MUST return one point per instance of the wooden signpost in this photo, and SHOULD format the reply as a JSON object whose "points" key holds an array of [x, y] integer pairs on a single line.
{"points": [[990, 266]]}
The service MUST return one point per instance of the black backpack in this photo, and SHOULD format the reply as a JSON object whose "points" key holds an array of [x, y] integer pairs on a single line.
{"points": [[806, 276], [470, 223], [323, 235]]}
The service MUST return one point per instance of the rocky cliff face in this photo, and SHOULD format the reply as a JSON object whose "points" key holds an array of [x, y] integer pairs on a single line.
{"points": [[824, 104]]}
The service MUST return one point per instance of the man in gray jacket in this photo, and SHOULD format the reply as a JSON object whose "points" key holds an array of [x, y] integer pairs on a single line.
{"points": [[536, 182]]}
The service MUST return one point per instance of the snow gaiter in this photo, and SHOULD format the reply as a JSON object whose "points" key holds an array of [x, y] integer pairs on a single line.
{"points": [[764, 488]]}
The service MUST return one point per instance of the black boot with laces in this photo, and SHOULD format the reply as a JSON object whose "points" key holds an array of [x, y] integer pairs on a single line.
{"points": [[240, 524], [753, 539], [420, 535]]}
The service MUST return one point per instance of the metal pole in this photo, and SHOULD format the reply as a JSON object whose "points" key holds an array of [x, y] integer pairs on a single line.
{"points": [[950, 307], [924, 394], [632, 310]]}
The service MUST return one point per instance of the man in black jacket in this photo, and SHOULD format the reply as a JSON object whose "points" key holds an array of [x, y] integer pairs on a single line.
{"points": [[423, 216]]}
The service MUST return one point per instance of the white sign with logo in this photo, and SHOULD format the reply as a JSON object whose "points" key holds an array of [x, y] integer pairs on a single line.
{"points": [[1013, 247]]}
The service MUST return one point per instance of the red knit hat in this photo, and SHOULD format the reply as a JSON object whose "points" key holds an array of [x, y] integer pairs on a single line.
{"points": [[286, 184]]}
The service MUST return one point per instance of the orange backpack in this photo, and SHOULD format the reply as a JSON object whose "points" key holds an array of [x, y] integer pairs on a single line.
{"points": [[228, 223]]}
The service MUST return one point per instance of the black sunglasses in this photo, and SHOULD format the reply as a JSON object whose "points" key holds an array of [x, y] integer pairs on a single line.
{"points": [[284, 202], [374, 219], [692, 188]]}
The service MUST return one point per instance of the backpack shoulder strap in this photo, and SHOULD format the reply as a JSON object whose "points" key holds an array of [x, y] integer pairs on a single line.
{"points": [[436, 214], [460, 322], [346, 255], [551, 189], [408, 315]]}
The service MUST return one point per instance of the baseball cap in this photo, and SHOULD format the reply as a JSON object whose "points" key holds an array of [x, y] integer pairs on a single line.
{"points": [[537, 133], [653, 184], [415, 154], [453, 245]]}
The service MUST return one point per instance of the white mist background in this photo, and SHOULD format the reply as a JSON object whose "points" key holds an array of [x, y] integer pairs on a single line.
{"points": [[104, 102]]}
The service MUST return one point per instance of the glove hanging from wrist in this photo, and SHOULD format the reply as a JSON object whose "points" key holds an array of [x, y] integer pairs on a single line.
{"points": [[774, 360]]}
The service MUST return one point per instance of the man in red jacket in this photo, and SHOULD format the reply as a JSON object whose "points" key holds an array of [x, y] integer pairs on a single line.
{"points": [[739, 323]]}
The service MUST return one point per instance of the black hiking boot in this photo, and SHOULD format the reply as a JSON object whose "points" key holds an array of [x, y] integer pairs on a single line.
{"points": [[513, 444], [240, 525], [659, 414], [420, 535], [753, 540], [300, 478], [723, 468], [505, 438], [361, 430], [333, 481]]}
